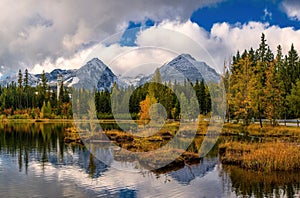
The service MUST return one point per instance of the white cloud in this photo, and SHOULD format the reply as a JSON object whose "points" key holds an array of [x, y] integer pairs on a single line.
{"points": [[267, 14], [159, 44], [140, 60], [74, 62], [292, 9], [44, 31], [248, 35], [63, 34], [221, 42]]}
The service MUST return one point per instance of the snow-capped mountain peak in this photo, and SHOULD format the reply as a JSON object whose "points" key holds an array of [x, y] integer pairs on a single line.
{"points": [[95, 74], [185, 67]]}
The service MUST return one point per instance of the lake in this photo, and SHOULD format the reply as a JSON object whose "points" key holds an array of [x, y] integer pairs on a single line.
{"points": [[35, 162]]}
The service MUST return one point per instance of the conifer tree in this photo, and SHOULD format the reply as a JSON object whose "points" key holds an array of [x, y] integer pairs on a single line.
{"points": [[293, 65], [240, 89], [26, 83], [294, 99], [20, 79], [273, 94]]}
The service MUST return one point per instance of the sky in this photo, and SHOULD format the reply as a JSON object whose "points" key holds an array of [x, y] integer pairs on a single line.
{"points": [[126, 35]]}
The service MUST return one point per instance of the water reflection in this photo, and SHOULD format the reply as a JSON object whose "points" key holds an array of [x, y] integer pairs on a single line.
{"points": [[35, 160], [190, 172], [42, 142], [250, 183]]}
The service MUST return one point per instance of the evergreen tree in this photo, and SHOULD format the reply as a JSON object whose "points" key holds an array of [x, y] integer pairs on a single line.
{"points": [[256, 90], [20, 79], [294, 99], [26, 83], [273, 94], [44, 81], [263, 48], [184, 107], [293, 65], [20, 89], [258, 81], [26, 88], [157, 77], [193, 110], [42, 90]]}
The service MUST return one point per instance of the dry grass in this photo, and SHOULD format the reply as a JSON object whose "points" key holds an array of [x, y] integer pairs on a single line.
{"points": [[264, 157], [267, 130]]}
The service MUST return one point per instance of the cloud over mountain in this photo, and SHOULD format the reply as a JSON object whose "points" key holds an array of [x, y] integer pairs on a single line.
{"points": [[62, 34], [32, 32]]}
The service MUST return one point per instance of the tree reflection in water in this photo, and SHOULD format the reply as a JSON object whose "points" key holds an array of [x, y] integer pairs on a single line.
{"points": [[32, 140], [258, 184]]}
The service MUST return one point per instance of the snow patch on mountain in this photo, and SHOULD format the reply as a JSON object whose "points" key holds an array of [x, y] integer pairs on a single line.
{"points": [[95, 74], [185, 67], [129, 80]]}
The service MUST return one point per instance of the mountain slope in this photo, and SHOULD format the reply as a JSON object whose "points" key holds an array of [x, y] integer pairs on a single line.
{"points": [[68, 76], [95, 74], [185, 67], [129, 80], [7, 79]]}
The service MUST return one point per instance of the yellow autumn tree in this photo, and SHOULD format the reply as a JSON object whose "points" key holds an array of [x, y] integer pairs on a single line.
{"points": [[145, 107], [240, 89], [150, 99]]}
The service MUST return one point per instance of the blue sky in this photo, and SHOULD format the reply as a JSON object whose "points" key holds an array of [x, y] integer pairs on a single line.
{"points": [[234, 12], [241, 11]]}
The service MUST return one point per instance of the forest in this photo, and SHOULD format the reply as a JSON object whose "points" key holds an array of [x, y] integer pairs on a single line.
{"points": [[258, 83], [21, 101]]}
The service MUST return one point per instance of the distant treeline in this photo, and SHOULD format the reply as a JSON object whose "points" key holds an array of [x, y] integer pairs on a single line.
{"points": [[260, 84], [20, 100], [136, 102]]}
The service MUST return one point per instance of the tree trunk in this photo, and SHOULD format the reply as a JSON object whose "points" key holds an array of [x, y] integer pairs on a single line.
{"points": [[260, 121], [259, 116]]}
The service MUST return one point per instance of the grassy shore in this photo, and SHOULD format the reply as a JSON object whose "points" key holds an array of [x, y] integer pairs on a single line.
{"points": [[265, 157], [255, 130], [277, 149]]}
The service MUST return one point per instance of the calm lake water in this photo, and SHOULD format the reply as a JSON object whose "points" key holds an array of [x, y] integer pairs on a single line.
{"points": [[35, 162]]}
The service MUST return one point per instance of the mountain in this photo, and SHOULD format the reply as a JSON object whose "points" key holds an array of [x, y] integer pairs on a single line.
{"points": [[129, 80], [95, 74], [68, 76], [8, 78], [34, 79], [185, 67]]}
